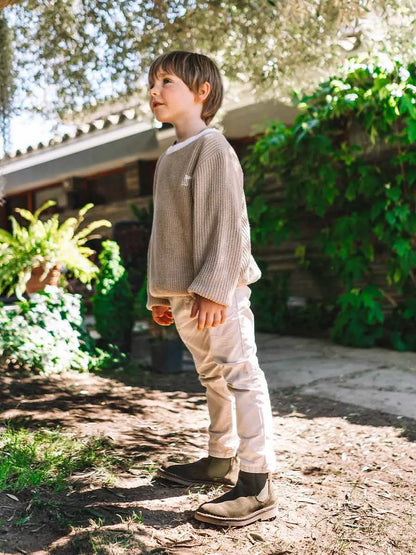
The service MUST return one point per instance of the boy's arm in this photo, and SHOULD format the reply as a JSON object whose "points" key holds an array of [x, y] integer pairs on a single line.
{"points": [[218, 205]]}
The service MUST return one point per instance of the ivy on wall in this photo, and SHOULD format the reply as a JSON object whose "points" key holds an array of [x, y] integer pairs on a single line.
{"points": [[348, 166]]}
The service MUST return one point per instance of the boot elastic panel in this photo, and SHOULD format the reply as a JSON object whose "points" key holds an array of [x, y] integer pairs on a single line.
{"points": [[264, 494]]}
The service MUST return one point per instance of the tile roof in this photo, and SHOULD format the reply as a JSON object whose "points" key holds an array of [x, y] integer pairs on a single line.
{"points": [[106, 122]]}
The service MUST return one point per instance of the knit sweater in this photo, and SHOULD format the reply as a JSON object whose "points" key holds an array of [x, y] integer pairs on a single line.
{"points": [[200, 241]]}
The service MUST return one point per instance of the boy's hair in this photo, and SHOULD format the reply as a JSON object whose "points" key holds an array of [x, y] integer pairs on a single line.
{"points": [[194, 70]]}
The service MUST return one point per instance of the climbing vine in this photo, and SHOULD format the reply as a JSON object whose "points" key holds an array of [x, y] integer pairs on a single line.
{"points": [[348, 167]]}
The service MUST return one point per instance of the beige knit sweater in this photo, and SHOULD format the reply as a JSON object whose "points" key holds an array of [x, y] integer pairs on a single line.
{"points": [[200, 240]]}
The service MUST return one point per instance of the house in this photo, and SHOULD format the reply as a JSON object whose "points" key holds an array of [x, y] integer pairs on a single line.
{"points": [[111, 160]]}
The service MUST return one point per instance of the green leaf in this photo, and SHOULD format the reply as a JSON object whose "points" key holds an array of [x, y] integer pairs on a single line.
{"points": [[26, 214], [85, 209], [393, 193], [407, 106], [86, 231], [44, 207], [391, 218], [377, 208], [6, 237], [411, 130]]}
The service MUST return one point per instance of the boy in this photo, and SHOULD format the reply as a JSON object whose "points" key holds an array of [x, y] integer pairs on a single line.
{"points": [[199, 266]]}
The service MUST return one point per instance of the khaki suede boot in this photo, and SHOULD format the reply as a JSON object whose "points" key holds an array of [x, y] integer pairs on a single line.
{"points": [[210, 471], [251, 499]]}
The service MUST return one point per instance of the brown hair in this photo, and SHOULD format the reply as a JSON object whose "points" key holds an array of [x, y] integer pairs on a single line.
{"points": [[194, 70]]}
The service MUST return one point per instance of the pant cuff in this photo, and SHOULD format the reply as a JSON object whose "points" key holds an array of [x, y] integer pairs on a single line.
{"points": [[221, 454], [257, 469]]}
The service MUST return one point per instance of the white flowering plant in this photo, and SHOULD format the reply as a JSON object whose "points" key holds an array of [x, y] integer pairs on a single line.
{"points": [[47, 334]]}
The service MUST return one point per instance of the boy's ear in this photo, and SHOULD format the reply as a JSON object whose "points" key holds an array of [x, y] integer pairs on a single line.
{"points": [[203, 91]]}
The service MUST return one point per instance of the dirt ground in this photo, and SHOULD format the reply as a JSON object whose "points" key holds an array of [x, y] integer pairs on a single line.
{"points": [[346, 478]]}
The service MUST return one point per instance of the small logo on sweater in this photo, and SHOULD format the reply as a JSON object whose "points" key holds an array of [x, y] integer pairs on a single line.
{"points": [[186, 181]]}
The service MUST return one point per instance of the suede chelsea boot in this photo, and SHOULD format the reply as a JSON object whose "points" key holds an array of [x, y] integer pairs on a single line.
{"points": [[210, 471], [251, 499]]}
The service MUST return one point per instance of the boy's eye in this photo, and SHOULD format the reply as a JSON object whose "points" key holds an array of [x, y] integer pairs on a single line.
{"points": [[166, 80]]}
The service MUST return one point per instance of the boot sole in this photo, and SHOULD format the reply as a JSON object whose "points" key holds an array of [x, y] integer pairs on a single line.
{"points": [[183, 482], [266, 513]]}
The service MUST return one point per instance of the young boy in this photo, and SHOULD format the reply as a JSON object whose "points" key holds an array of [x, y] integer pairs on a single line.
{"points": [[199, 266]]}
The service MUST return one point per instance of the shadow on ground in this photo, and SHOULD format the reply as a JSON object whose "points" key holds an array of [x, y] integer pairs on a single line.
{"points": [[31, 401], [289, 402], [152, 419]]}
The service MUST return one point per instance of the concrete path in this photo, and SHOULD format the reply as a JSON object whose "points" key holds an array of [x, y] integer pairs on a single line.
{"points": [[377, 379]]}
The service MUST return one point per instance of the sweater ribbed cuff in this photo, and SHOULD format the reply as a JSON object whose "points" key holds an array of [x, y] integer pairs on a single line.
{"points": [[212, 294], [156, 301]]}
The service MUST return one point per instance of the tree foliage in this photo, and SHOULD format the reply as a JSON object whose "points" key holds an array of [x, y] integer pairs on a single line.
{"points": [[348, 166], [71, 54], [6, 80]]}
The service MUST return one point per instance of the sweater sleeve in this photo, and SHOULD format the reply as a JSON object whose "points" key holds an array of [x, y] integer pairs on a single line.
{"points": [[151, 299], [218, 202], [155, 301]]}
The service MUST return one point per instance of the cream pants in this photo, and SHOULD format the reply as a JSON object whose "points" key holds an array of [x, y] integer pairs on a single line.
{"points": [[236, 389]]}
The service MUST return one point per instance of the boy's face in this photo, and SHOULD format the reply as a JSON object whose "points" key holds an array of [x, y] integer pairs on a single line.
{"points": [[171, 101]]}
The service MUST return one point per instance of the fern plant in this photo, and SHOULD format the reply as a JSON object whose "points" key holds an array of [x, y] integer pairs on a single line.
{"points": [[47, 244]]}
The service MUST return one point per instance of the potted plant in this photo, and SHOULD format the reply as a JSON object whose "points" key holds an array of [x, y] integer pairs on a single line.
{"points": [[34, 255], [166, 348]]}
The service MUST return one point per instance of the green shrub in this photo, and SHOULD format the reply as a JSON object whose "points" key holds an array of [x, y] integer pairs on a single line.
{"points": [[400, 326], [348, 166], [272, 308], [140, 310], [360, 318], [269, 301], [113, 302], [46, 333]]}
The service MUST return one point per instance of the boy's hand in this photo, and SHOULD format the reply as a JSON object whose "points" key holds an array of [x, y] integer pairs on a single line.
{"points": [[210, 314], [162, 315]]}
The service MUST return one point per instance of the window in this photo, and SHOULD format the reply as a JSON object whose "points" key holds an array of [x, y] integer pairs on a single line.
{"points": [[56, 193], [105, 188], [12, 202], [146, 175], [32, 200], [242, 146]]}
